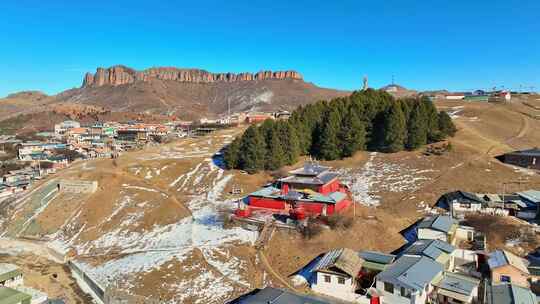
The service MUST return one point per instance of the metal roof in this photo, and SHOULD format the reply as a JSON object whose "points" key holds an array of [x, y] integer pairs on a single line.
{"points": [[413, 272], [273, 192], [442, 223], [458, 283], [432, 249], [320, 179], [9, 271], [529, 152], [530, 195], [270, 295], [12, 296], [377, 257], [310, 169], [506, 293], [343, 259], [501, 258]]}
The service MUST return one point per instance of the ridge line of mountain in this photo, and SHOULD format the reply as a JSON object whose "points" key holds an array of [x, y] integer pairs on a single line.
{"points": [[119, 75]]}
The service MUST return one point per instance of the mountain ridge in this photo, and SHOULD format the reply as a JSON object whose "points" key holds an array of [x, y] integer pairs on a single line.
{"points": [[120, 74]]}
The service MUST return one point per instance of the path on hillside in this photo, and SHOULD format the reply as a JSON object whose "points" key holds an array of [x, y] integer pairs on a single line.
{"points": [[269, 269], [524, 129]]}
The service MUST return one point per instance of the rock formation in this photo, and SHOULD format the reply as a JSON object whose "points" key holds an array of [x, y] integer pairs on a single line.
{"points": [[119, 75]]}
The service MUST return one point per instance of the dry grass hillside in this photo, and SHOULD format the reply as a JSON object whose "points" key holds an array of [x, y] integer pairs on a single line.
{"points": [[156, 228]]}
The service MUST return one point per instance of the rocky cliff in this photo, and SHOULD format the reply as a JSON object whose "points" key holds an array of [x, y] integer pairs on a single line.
{"points": [[119, 75]]}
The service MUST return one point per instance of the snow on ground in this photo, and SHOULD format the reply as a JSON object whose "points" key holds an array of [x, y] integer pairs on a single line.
{"points": [[147, 250], [378, 175], [126, 186]]}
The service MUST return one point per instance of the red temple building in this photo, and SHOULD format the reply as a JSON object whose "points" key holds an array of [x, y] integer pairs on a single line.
{"points": [[309, 191]]}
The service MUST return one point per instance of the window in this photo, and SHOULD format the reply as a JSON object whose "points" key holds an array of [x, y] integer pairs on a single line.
{"points": [[505, 279], [341, 280], [406, 293], [327, 279], [388, 287]]}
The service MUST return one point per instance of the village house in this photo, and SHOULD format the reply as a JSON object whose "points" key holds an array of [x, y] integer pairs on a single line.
{"points": [[310, 191], [60, 129], [270, 295], [507, 293], [437, 227], [525, 158], [12, 296], [409, 280], [437, 250], [10, 275], [505, 267], [253, 118], [375, 262], [336, 274], [36, 150], [455, 288]]}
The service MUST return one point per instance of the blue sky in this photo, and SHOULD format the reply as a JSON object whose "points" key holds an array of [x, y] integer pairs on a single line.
{"points": [[48, 45]]}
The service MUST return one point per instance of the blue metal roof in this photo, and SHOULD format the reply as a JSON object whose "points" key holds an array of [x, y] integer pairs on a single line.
{"points": [[413, 272], [458, 283], [506, 293], [277, 296], [530, 195], [441, 223], [432, 249], [377, 257]]}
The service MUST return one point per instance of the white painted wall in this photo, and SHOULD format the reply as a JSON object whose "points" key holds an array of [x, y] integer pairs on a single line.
{"points": [[526, 215], [458, 207], [430, 234], [333, 288], [396, 298]]}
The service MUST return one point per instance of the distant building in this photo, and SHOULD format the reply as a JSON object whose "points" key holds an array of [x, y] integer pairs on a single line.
{"points": [[525, 158], [454, 96], [61, 128], [258, 117]]}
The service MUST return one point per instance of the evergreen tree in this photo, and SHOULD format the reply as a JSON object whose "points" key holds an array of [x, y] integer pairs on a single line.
{"points": [[395, 129], [231, 154], [275, 155], [446, 126], [252, 150], [432, 119], [328, 144], [290, 142], [352, 136], [417, 127]]}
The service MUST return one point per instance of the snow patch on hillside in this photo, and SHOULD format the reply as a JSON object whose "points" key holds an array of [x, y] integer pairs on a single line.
{"points": [[378, 175]]}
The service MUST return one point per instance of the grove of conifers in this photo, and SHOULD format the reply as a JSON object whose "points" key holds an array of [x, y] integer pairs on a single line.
{"points": [[370, 120]]}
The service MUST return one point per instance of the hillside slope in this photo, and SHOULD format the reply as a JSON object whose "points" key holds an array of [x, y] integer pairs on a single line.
{"points": [[155, 226]]}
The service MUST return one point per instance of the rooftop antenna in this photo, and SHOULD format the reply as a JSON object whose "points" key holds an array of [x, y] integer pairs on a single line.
{"points": [[392, 79]]}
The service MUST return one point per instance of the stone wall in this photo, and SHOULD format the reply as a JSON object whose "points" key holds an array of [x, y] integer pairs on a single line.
{"points": [[78, 186]]}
